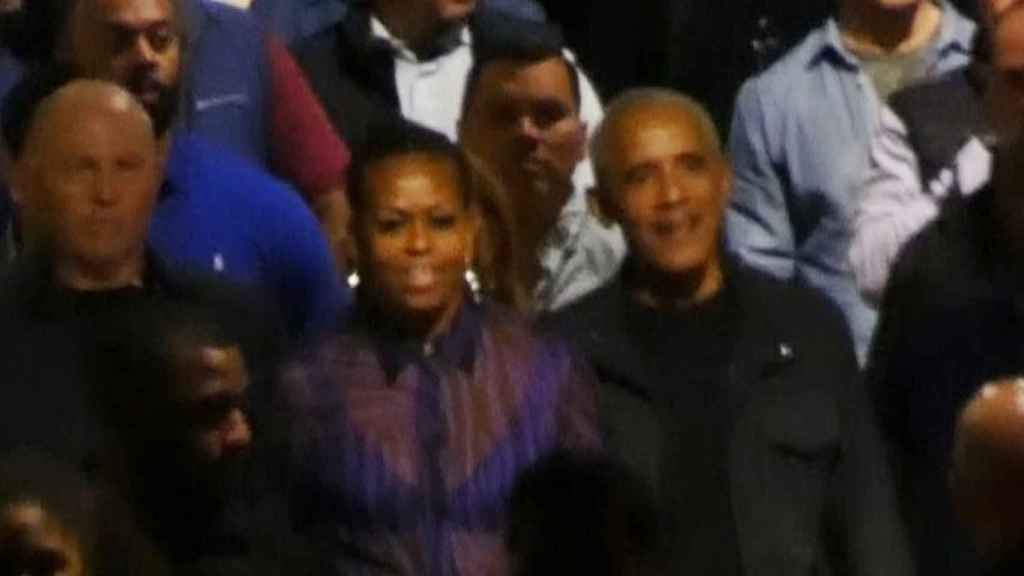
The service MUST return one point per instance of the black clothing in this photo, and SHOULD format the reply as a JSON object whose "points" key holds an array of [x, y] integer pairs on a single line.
{"points": [[353, 73], [705, 48], [941, 115], [951, 320], [46, 329], [802, 461], [686, 358]]}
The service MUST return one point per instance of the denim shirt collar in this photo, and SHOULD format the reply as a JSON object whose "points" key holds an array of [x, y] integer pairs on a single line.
{"points": [[955, 35], [457, 347], [563, 240]]}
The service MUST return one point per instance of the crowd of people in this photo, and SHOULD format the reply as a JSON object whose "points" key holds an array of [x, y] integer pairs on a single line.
{"points": [[463, 288]]}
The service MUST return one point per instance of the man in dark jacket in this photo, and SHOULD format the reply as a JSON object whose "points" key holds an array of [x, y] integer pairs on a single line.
{"points": [[951, 320], [86, 175], [736, 395], [178, 447]]}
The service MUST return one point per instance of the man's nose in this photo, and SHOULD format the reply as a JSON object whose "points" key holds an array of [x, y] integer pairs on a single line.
{"points": [[143, 51], [527, 128], [671, 190], [105, 188], [238, 432]]}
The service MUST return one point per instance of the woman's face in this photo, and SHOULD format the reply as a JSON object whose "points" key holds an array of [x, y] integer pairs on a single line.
{"points": [[415, 237]]}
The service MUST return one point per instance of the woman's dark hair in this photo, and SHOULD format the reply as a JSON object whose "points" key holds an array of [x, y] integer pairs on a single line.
{"points": [[398, 137]]}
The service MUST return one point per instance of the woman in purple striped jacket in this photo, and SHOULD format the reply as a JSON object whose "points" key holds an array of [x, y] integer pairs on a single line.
{"points": [[415, 423]]}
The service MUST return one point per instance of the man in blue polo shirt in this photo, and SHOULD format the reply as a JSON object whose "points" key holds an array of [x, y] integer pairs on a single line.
{"points": [[216, 212], [219, 213]]}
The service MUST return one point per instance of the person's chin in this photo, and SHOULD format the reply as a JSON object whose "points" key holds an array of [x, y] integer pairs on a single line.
{"points": [[423, 303], [455, 10]]}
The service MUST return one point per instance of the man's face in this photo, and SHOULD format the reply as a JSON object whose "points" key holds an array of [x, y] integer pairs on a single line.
{"points": [[666, 188], [524, 123], [1006, 90], [211, 403], [134, 43], [88, 179]]}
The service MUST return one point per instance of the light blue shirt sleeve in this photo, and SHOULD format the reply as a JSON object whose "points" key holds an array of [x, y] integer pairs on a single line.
{"points": [[758, 227], [893, 207]]}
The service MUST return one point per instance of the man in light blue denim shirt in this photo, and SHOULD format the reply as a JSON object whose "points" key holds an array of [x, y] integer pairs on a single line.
{"points": [[801, 136]]}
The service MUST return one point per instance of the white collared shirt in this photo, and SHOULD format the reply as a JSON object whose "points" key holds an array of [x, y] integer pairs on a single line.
{"points": [[430, 92]]}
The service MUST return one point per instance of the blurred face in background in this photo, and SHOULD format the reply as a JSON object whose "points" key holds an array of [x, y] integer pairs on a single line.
{"points": [[213, 382], [523, 122], [415, 235], [134, 43]]}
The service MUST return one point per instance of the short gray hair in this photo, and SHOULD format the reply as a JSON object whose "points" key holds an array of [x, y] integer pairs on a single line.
{"points": [[636, 98]]}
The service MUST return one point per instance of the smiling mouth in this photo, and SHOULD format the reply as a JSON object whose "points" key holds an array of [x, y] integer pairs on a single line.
{"points": [[684, 226]]}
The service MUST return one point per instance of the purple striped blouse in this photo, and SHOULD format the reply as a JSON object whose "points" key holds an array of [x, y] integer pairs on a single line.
{"points": [[409, 452]]}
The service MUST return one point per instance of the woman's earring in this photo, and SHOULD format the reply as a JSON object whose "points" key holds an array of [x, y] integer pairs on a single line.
{"points": [[474, 283], [353, 280]]}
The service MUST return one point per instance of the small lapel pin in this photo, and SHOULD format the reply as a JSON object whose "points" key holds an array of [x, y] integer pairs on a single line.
{"points": [[786, 353]]}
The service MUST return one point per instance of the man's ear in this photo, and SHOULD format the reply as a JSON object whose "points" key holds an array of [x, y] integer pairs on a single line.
{"points": [[725, 181]]}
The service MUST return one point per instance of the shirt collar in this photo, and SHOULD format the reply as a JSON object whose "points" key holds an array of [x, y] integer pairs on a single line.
{"points": [[564, 238], [45, 298], [956, 34], [446, 43], [457, 347]]}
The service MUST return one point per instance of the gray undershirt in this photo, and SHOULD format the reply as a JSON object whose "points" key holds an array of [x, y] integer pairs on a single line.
{"points": [[893, 72]]}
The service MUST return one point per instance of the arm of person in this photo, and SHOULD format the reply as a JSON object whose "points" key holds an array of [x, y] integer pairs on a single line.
{"points": [[898, 360], [893, 207], [305, 149], [758, 226]]}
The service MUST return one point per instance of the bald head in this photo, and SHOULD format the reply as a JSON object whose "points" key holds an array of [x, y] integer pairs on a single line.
{"points": [[623, 111], [85, 180], [90, 100], [988, 466]]}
